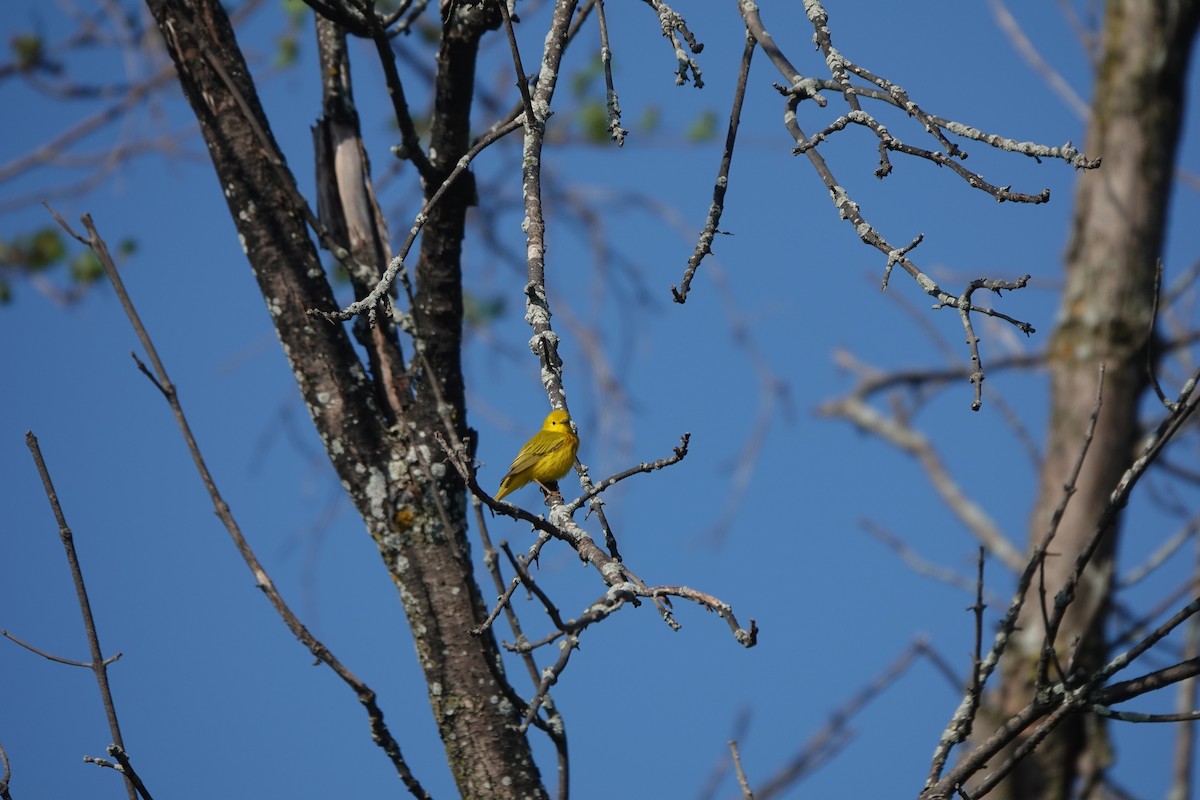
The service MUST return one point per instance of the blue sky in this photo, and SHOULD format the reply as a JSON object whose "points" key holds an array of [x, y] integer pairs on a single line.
{"points": [[214, 695]]}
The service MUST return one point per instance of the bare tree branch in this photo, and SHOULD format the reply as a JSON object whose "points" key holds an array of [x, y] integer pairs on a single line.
{"points": [[856, 410], [379, 730], [99, 664]]}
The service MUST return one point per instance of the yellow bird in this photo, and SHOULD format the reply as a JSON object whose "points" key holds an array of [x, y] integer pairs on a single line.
{"points": [[548, 456]]}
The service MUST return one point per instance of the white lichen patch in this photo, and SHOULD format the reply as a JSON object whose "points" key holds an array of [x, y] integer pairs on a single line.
{"points": [[376, 492]]}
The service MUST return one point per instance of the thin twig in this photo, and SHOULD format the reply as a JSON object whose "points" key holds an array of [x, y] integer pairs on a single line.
{"points": [[1052, 77], [836, 733], [1056, 702], [1161, 554], [678, 455], [1151, 366], [615, 574], [964, 716], [123, 766], [975, 690], [544, 342], [1183, 768], [856, 410], [674, 28], [98, 664], [6, 776], [1128, 689], [128, 771], [396, 267], [1182, 411], [366, 696], [522, 81], [717, 208], [410, 143], [743, 783], [917, 562], [843, 76], [57, 659], [712, 785], [611, 102]]}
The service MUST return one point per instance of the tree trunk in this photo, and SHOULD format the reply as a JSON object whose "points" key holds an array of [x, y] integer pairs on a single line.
{"points": [[379, 428], [1104, 318]]}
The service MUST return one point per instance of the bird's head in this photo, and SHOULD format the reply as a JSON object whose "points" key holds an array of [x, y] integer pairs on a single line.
{"points": [[557, 421]]}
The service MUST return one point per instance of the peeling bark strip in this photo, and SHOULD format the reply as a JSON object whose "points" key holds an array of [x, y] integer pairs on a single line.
{"points": [[412, 501]]}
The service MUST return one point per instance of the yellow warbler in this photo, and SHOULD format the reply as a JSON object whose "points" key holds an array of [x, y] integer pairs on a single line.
{"points": [[548, 456]]}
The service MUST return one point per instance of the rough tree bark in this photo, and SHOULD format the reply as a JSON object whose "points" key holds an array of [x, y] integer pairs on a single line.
{"points": [[1104, 317], [379, 428]]}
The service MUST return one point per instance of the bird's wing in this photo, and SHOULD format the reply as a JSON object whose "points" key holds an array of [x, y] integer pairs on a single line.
{"points": [[537, 448]]}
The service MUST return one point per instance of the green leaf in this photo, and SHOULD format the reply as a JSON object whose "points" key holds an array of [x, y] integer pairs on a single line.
{"points": [[583, 79], [593, 120], [46, 249], [296, 11], [85, 268], [703, 128], [478, 312], [34, 251], [28, 49], [287, 51], [650, 119]]}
